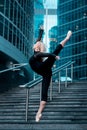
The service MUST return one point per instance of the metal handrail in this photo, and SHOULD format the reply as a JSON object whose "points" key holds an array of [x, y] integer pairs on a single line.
{"points": [[58, 70], [62, 67], [33, 83], [38, 80], [13, 68]]}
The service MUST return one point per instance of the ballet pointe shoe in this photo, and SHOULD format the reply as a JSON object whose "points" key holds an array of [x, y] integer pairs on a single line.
{"points": [[69, 34], [38, 117]]}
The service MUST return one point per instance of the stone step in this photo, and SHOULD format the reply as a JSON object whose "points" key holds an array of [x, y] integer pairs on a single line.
{"points": [[62, 126], [39, 126], [21, 105], [61, 121], [45, 121]]}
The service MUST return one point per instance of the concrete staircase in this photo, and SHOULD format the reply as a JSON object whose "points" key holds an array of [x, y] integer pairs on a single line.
{"points": [[67, 110]]}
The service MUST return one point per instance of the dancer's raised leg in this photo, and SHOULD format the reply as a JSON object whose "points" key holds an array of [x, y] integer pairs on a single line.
{"points": [[62, 43]]}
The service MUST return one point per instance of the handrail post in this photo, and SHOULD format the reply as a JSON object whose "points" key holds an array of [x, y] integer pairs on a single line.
{"points": [[34, 76], [40, 91], [59, 81], [71, 73], [27, 100], [66, 78], [51, 89]]}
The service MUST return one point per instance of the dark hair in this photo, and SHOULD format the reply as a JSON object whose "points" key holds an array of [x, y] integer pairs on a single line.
{"points": [[40, 35]]}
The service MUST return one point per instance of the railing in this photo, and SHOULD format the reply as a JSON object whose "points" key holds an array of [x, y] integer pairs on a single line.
{"points": [[14, 67], [38, 80], [58, 70]]}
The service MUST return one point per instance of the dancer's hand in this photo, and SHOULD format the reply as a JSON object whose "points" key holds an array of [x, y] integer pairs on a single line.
{"points": [[41, 27], [69, 34], [57, 57]]}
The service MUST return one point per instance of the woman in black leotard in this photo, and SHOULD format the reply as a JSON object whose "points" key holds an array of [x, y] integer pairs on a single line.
{"points": [[43, 67]]}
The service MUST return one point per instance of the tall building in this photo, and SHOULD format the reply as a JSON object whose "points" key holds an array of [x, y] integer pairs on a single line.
{"points": [[16, 34], [38, 17], [72, 15]]}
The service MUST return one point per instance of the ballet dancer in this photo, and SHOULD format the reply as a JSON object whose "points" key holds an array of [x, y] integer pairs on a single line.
{"points": [[44, 67]]}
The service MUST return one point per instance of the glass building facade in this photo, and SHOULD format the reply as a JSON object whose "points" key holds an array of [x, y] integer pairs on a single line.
{"points": [[16, 23], [16, 31], [72, 15]]}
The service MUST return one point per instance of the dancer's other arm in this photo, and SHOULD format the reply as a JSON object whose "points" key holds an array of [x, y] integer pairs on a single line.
{"points": [[42, 54]]}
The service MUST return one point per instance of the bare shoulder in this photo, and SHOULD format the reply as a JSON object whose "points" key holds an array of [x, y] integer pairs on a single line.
{"points": [[43, 47], [40, 43], [37, 44]]}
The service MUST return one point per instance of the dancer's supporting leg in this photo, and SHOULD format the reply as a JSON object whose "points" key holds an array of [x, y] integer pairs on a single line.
{"points": [[45, 86]]}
